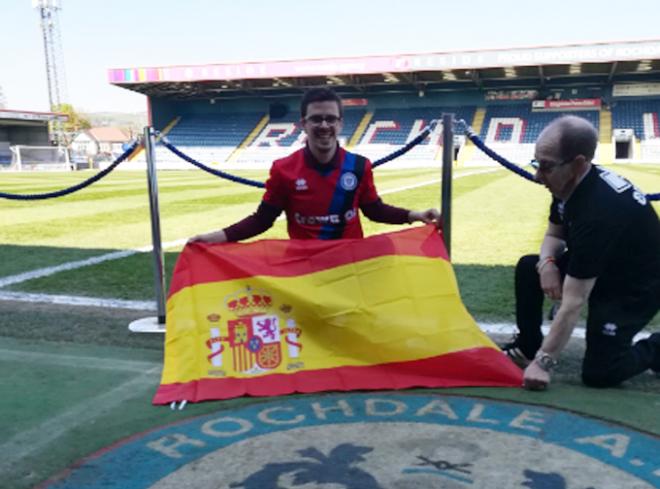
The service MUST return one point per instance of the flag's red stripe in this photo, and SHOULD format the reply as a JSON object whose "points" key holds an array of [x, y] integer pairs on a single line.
{"points": [[204, 263], [485, 367]]}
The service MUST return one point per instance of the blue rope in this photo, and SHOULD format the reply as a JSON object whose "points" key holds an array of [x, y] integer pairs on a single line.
{"points": [[401, 151], [227, 176], [507, 164], [75, 188], [500, 159]]}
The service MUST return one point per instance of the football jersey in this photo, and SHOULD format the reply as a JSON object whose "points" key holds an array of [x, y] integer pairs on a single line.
{"points": [[612, 232], [321, 201]]}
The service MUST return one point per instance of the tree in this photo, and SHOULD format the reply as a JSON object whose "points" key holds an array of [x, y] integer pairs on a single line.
{"points": [[76, 122], [65, 131]]}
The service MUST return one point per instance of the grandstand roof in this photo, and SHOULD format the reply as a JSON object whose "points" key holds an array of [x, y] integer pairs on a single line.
{"points": [[531, 67], [23, 117]]}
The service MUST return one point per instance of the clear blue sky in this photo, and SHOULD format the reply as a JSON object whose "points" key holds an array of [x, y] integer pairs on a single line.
{"points": [[100, 34]]}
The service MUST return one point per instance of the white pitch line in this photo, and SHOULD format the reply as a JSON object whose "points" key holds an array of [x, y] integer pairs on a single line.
{"points": [[44, 272], [510, 329], [72, 265], [70, 300], [76, 361], [42, 435], [435, 180]]}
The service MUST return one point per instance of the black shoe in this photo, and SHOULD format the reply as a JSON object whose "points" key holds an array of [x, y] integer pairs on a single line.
{"points": [[513, 351]]}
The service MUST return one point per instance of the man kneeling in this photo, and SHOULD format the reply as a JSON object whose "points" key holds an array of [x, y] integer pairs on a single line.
{"points": [[602, 247]]}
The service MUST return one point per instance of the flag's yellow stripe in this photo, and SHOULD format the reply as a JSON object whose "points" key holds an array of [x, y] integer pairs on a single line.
{"points": [[387, 309]]}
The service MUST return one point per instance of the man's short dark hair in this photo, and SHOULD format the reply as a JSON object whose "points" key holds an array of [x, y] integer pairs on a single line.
{"points": [[321, 94], [577, 136]]}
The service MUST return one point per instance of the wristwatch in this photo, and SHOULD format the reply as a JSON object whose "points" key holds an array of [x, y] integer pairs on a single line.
{"points": [[545, 360]]}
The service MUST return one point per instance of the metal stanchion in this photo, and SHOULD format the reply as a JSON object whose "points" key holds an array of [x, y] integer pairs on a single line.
{"points": [[153, 324], [447, 164]]}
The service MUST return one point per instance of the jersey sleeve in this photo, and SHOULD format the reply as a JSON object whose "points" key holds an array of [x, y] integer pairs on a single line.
{"points": [[275, 194], [592, 245], [368, 193]]}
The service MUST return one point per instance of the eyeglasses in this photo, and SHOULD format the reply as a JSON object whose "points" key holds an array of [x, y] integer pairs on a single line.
{"points": [[548, 167], [318, 119]]}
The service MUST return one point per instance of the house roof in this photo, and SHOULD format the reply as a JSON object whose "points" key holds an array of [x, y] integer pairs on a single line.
{"points": [[109, 134]]}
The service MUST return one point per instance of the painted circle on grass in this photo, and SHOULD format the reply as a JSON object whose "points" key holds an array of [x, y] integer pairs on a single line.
{"points": [[374, 441]]}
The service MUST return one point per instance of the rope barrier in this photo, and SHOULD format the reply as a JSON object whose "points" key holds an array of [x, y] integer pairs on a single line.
{"points": [[75, 188], [246, 181], [218, 173], [507, 164], [414, 142], [472, 136]]}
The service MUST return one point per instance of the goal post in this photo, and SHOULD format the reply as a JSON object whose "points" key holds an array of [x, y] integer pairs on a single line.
{"points": [[39, 158]]}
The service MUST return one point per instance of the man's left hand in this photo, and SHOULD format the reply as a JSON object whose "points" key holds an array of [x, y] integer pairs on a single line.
{"points": [[535, 378], [427, 216]]}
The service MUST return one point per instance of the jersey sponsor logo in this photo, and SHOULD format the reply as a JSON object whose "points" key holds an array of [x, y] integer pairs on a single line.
{"points": [[317, 220], [358, 441], [350, 214], [301, 184], [348, 181]]}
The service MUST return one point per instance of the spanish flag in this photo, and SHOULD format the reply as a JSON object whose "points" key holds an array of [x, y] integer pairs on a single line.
{"points": [[275, 317]]}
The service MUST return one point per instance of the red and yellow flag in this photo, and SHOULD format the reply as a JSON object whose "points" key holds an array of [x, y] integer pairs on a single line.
{"points": [[280, 316]]}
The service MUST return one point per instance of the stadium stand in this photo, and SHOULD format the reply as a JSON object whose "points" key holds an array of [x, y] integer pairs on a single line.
{"points": [[283, 135], [512, 129], [639, 117], [210, 138], [389, 129], [253, 139]]}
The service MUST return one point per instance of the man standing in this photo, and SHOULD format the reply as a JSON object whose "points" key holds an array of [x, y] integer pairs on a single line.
{"points": [[602, 248], [321, 186]]}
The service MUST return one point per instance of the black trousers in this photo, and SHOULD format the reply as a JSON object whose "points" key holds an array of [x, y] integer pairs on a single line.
{"points": [[610, 356]]}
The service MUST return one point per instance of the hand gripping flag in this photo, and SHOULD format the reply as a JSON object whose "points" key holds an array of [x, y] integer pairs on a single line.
{"points": [[274, 317]]}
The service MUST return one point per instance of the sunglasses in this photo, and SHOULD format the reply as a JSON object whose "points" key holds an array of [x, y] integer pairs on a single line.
{"points": [[318, 119]]}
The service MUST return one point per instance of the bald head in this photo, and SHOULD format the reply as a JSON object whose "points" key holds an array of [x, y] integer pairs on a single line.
{"points": [[570, 136]]}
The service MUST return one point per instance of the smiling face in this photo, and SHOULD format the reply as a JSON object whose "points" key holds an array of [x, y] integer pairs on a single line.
{"points": [[322, 124]]}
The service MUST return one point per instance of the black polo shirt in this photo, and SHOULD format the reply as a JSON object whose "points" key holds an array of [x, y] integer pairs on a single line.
{"points": [[612, 233]]}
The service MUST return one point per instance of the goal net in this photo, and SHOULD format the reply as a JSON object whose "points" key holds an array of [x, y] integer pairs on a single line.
{"points": [[38, 158]]}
